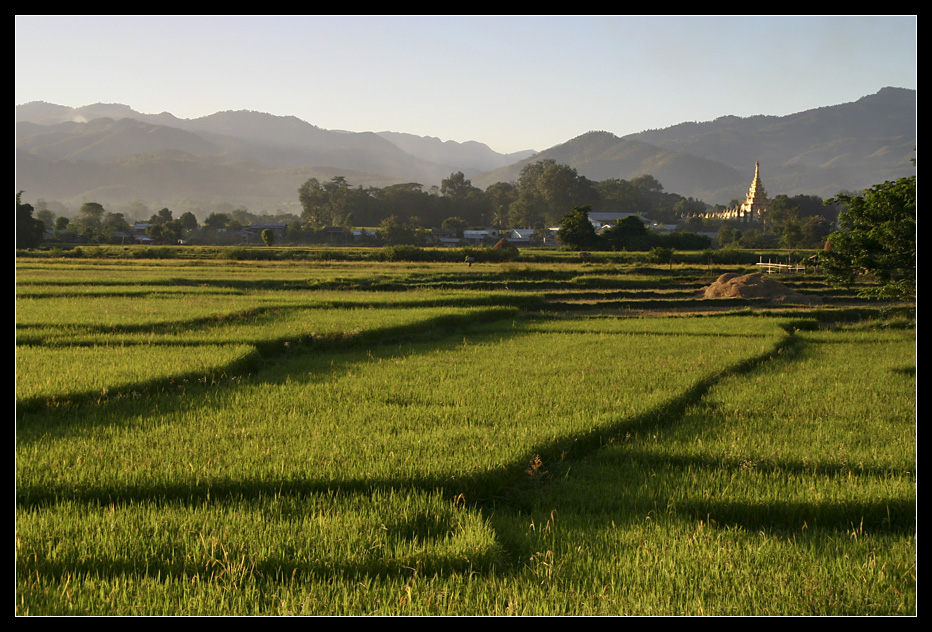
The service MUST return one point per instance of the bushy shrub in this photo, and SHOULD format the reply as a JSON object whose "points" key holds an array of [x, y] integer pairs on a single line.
{"points": [[403, 253]]}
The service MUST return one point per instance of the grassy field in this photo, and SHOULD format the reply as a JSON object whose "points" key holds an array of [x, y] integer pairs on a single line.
{"points": [[359, 437]]}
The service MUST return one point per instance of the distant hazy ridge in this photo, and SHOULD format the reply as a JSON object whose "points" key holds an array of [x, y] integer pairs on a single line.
{"points": [[110, 153]]}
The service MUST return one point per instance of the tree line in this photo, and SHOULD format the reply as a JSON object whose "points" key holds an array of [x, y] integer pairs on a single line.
{"points": [[630, 233], [544, 192], [541, 197]]}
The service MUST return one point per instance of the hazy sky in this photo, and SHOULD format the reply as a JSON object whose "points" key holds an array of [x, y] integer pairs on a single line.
{"points": [[521, 82]]}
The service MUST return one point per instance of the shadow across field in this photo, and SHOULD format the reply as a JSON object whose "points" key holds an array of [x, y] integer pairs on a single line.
{"points": [[505, 494], [268, 349], [431, 334]]}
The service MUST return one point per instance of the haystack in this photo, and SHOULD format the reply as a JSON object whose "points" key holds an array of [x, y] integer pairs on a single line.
{"points": [[756, 285], [504, 244]]}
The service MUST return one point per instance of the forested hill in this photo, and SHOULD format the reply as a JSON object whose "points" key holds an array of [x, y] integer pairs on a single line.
{"points": [[821, 151], [602, 155], [817, 152], [111, 154]]}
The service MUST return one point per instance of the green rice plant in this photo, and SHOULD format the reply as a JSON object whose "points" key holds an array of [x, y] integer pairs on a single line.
{"points": [[788, 490], [488, 394], [236, 549], [139, 341], [54, 374], [54, 368], [408, 451]]}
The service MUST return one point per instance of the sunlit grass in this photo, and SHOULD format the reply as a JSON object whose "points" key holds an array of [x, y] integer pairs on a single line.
{"points": [[431, 450]]}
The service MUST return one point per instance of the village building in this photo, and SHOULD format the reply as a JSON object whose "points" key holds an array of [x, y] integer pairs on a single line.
{"points": [[253, 232], [478, 237], [601, 221], [520, 236], [445, 236], [531, 237]]}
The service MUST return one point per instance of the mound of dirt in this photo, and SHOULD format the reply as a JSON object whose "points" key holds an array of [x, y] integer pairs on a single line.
{"points": [[756, 285]]}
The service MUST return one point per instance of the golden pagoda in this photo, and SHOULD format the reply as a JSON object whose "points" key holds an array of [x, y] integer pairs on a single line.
{"points": [[754, 203], [756, 200]]}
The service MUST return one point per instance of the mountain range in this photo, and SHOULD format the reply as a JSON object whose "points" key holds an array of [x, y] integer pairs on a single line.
{"points": [[111, 154]]}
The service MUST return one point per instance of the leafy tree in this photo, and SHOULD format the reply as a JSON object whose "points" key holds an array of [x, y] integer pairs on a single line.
{"points": [[683, 240], [188, 220], [89, 219], [648, 184], [454, 223], [527, 210], [877, 236], [576, 231], [686, 207], [158, 233], [174, 231], [168, 232], [462, 199], [620, 196], [216, 221], [338, 193], [728, 235], [330, 203], [29, 230], [651, 197], [754, 238], [546, 189], [815, 229], [314, 201], [804, 206], [629, 233], [792, 235], [403, 200], [243, 216], [694, 224], [456, 186], [162, 217], [268, 237], [92, 211], [499, 197], [395, 232], [113, 223], [800, 221], [46, 216]]}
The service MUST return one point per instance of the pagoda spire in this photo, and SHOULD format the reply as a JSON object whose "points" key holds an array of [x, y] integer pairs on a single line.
{"points": [[756, 200]]}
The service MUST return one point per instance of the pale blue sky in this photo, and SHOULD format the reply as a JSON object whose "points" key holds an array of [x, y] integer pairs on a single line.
{"points": [[521, 82]]}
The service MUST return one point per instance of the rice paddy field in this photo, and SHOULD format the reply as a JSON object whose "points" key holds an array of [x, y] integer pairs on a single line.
{"points": [[207, 436]]}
